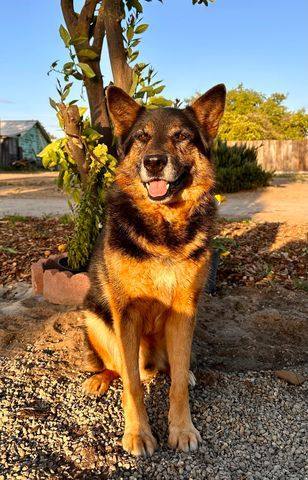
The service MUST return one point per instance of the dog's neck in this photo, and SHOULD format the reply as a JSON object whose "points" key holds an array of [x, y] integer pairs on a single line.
{"points": [[177, 214]]}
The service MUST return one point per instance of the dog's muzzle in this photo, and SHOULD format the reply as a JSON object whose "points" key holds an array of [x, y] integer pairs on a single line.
{"points": [[162, 176], [154, 166]]}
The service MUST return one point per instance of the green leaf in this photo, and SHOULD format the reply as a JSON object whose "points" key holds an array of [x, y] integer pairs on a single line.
{"points": [[130, 33], [142, 28], [87, 70], [68, 66], [156, 83], [160, 102], [8, 250], [65, 35], [66, 91], [134, 56], [76, 194], [79, 39], [82, 110], [91, 134], [53, 104], [66, 179], [67, 86], [135, 42], [159, 89], [88, 53], [146, 89], [139, 95], [134, 83], [140, 66], [60, 120]]}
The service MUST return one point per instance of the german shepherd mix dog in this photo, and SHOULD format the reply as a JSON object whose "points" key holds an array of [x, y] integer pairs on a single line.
{"points": [[151, 262]]}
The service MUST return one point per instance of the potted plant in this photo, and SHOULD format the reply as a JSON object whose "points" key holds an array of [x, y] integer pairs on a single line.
{"points": [[85, 156]]}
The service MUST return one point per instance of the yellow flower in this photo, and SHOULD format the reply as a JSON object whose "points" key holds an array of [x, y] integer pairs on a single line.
{"points": [[100, 150], [62, 247], [220, 198]]}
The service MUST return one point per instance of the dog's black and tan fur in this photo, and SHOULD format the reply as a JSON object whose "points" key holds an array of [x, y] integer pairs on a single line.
{"points": [[152, 260]]}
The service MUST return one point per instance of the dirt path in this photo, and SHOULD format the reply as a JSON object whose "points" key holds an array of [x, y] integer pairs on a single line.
{"points": [[31, 194], [33, 207], [283, 202], [36, 194]]}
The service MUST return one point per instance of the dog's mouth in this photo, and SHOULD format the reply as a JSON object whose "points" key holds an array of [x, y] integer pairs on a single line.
{"points": [[159, 188]]}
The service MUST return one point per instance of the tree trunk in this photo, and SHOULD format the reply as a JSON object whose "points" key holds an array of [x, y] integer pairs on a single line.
{"points": [[108, 22], [71, 122], [122, 72], [79, 25], [97, 104]]}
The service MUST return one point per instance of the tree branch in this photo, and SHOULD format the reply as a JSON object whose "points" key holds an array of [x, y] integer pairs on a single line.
{"points": [[99, 30], [71, 121], [86, 16], [79, 25], [70, 16], [122, 72]]}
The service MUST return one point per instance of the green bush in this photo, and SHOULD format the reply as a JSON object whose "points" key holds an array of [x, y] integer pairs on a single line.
{"points": [[237, 168]]}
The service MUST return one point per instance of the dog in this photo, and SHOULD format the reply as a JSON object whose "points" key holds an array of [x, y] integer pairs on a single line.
{"points": [[151, 262]]}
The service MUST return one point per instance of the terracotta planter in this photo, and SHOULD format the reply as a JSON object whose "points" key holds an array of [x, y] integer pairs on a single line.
{"points": [[59, 287]]}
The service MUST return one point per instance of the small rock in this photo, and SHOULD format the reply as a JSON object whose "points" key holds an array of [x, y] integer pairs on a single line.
{"points": [[290, 377]]}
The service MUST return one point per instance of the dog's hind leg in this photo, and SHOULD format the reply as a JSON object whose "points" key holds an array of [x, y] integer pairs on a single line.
{"points": [[105, 358], [152, 356]]}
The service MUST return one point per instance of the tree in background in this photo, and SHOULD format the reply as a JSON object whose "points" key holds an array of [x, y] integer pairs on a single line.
{"points": [[251, 115]]}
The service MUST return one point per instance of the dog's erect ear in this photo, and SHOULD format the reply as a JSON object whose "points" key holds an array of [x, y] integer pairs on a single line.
{"points": [[123, 110], [209, 108]]}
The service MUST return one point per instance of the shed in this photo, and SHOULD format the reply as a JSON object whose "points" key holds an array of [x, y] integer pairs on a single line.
{"points": [[21, 140]]}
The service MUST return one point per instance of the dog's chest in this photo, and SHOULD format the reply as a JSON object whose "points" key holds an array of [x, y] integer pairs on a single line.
{"points": [[164, 277]]}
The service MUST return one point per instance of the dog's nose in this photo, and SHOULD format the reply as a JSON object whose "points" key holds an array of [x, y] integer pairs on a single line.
{"points": [[154, 164]]}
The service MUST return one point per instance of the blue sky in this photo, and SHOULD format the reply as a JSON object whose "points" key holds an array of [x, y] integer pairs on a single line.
{"points": [[262, 44]]}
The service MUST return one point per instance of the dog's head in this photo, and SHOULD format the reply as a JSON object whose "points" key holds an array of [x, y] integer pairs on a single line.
{"points": [[164, 153]]}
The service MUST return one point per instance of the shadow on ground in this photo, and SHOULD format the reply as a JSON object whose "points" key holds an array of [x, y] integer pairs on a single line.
{"points": [[261, 327]]}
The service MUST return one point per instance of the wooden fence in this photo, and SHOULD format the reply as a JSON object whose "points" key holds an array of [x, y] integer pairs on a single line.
{"points": [[281, 155]]}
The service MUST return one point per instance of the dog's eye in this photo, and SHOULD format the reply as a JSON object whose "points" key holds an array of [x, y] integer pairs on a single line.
{"points": [[181, 136], [142, 136]]}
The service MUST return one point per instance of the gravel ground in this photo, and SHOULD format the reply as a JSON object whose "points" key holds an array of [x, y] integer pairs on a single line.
{"points": [[253, 426]]}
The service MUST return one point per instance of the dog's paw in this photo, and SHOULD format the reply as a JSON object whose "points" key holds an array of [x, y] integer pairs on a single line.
{"points": [[98, 384], [186, 440], [139, 444]]}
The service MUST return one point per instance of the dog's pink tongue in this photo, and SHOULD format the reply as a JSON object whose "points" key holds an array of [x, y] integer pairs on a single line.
{"points": [[157, 188]]}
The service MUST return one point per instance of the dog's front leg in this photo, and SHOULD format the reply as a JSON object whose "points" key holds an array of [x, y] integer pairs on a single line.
{"points": [[179, 332], [137, 438]]}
